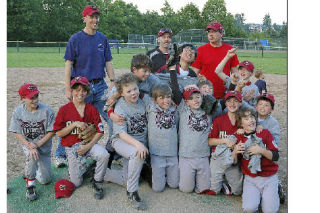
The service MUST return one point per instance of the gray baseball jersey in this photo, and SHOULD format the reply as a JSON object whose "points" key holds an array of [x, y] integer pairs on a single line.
{"points": [[271, 124], [136, 120], [33, 126], [247, 89], [194, 127], [162, 129]]}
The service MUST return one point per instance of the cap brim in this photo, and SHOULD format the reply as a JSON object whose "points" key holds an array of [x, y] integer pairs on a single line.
{"points": [[30, 95]]}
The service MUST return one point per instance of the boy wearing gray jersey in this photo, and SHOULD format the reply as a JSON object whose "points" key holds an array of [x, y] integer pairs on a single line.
{"points": [[32, 123], [163, 138], [129, 139], [194, 127]]}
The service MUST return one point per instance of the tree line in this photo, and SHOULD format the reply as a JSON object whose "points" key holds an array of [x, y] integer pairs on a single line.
{"points": [[57, 20]]}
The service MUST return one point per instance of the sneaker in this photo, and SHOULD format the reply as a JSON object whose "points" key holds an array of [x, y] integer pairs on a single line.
{"points": [[135, 201], [226, 189], [282, 193], [60, 162], [31, 193], [97, 189]]}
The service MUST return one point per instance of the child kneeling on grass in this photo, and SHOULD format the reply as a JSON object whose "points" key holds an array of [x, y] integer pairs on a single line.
{"points": [[73, 118], [32, 123]]}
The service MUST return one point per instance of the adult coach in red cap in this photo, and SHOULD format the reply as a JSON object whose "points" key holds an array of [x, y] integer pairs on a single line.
{"points": [[211, 54]]}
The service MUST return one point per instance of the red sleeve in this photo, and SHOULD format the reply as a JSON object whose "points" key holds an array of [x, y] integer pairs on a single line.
{"points": [[234, 61], [59, 122], [97, 121], [268, 140], [214, 133]]}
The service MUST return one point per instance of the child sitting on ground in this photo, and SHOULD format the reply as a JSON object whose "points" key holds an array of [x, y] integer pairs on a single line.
{"points": [[73, 118], [260, 83], [260, 184], [32, 123]]}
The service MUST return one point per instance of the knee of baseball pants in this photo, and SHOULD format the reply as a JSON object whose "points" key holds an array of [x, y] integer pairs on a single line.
{"points": [[158, 179], [187, 179], [216, 177], [270, 198], [251, 196], [101, 155], [77, 181]]}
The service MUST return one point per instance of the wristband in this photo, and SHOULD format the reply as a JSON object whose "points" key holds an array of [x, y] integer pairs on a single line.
{"points": [[109, 112]]}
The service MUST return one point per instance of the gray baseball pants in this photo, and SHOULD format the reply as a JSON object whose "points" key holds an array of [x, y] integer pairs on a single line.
{"points": [[232, 173], [97, 153], [39, 169], [132, 166], [260, 188], [194, 174], [164, 170]]}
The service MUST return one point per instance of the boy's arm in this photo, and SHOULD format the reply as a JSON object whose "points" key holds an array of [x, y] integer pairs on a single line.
{"points": [[141, 151], [85, 148], [177, 95], [45, 139], [29, 145], [218, 141], [256, 149], [67, 78], [219, 68]]}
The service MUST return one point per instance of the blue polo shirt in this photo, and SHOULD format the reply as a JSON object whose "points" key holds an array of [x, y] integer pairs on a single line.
{"points": [[89, 54]]}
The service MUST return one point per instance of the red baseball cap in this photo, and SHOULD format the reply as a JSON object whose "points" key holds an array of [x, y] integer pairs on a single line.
{"points": [[216, 26], [268, 96], [164, 30], [188, 92], [248, 65], [64, 188], [235, 94], [89, 10], [28, 90], [79, 80]]}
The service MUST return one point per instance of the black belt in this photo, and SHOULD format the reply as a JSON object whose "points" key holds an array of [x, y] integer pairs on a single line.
{"points": [[94, 81]]}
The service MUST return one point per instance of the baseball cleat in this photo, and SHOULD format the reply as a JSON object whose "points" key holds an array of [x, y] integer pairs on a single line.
{"points": [[282, 193], [60, 162], [226, 189], [97, 189], [31, 193], [135, 201]]}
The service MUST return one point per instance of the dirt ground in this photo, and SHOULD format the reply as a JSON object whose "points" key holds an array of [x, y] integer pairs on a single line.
{"points": [[51, 85]]}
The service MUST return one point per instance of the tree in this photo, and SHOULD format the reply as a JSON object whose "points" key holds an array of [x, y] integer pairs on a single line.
{"points": [[239, 21], [169, 18], [189, 17]]}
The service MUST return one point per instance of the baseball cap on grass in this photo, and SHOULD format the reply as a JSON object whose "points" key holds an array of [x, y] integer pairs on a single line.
{"points": [[89, 10], [235, 94], [79, 80], [64, 188], [28, 90], [163, 31], [216, 26], [188, 92], [248, 65]]}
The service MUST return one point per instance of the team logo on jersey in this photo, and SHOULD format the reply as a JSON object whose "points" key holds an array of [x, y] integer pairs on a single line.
{"points": [[101, 127], [165, 119], [222, 134], [198, 123], [137, 123], [75, 131], [100, 47], [32, 129]]}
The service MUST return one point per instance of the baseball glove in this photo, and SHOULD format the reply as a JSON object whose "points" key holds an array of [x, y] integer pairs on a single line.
{"points": [[209, 104], [87, 134], [174, 58]]}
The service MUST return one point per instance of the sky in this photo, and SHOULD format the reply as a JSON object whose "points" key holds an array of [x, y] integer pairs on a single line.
{"points": [[254, 10]]}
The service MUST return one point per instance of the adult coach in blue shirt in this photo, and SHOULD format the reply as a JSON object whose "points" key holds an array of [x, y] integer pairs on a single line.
{"points": [[88, 54]]}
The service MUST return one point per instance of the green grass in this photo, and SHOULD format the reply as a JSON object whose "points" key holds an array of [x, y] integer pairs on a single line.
{"points": [[272, 62]]}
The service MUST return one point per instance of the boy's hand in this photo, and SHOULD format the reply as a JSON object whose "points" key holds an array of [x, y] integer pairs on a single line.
{"points": [[32, 145], [141, 151], [240, 131], [232, 52], [81, 125], [33, 153], [259, 128], [117, 118], [230, 143], [83, 149], [256, 149], [112, 99], [190, 86], [174, 57], [239, 148]]}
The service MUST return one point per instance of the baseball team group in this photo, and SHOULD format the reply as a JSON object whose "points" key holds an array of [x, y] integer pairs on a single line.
{"points": [[206, 129]]}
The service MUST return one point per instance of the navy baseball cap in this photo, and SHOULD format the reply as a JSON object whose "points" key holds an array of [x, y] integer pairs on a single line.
{"points": [[164, 30]]}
